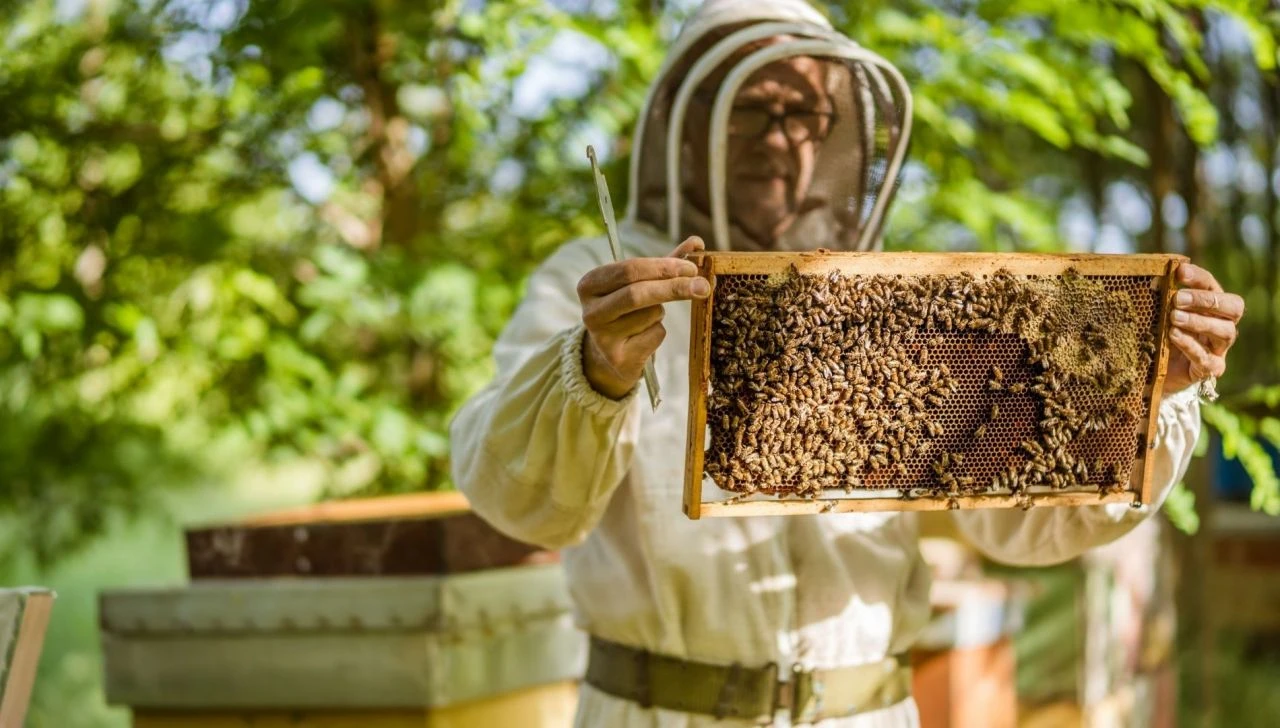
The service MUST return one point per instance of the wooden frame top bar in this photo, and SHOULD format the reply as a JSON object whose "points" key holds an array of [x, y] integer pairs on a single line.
{"points": [[822, 262]]}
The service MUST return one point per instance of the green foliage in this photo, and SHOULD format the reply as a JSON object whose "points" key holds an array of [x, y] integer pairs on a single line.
{"points": [[166, 288], [1180, 509], [1242, 437], [1000, 82], [1245, 671], [292, 230]]}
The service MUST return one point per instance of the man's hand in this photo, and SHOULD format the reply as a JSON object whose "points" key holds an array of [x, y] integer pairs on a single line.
{"points": [[1204, 328], [622, 310]]}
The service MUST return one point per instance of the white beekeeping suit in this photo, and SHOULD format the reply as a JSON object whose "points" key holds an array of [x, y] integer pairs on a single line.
{"points": [[547, 459]]}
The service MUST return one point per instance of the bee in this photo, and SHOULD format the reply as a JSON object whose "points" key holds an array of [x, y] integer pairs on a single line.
{"points": [[981, 432], [1008, 481], [995, 411]]}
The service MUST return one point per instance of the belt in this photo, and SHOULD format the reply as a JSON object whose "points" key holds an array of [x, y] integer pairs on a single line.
{"points": [[748, 693]]}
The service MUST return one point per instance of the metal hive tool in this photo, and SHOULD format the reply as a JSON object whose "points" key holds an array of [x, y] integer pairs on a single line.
{"points": [[827, 382]]}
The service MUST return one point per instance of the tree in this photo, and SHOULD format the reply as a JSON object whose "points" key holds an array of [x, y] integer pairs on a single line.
{"points": [[292, 229]]}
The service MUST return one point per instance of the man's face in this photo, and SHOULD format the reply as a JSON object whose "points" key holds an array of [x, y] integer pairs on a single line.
{"points": [[780, 117]]}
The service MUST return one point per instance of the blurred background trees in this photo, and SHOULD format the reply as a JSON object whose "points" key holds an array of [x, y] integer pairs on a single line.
{"points": [[238, 234]]}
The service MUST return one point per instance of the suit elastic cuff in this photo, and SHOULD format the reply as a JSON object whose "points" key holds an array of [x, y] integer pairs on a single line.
{"points": [[575, 382]]}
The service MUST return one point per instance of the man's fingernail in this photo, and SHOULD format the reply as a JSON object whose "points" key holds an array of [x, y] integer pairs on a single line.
{"points": [[700, 287], [1179, 317], [1185, 298]]}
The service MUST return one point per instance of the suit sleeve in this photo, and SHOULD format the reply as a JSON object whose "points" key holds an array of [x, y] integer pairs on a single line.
{"points": [[538, 452]]}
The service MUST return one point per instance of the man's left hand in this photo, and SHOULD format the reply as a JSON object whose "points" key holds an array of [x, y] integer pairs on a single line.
{"points": [[1204, 328]]}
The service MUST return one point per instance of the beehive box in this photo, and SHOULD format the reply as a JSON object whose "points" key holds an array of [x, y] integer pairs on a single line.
{"points": [[405, 643], [828, 382], [401, 535], [379, 612]]}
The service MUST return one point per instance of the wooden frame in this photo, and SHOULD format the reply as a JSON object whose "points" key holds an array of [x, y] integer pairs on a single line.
{"points": [[1162, 268], [390, 507], [24, 620]]}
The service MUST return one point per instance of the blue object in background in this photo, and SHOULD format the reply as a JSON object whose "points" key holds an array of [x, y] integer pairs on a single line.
{"points": [[1230, 481]]}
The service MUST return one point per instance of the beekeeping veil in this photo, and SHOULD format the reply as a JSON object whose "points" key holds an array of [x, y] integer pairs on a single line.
{"points": [[856, 166]]}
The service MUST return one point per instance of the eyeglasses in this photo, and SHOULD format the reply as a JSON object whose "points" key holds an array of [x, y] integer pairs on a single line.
{"points": [[798, 125]]}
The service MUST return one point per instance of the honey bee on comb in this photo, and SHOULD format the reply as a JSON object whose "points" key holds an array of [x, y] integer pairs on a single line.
{"points": [[934, 387]]}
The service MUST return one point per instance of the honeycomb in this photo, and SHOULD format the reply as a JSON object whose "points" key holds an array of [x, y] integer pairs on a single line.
{"points": [[934, 386]]}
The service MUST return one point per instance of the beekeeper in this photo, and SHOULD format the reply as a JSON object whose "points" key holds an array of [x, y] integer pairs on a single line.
{"points": [[743, 620]]}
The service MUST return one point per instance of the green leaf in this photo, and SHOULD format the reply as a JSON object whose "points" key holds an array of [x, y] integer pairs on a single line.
{"points": [[1239, 445], [1038, 115], [1180, 508], [391, 430], [121, 168], [342, 263], [303, 81], [49, 312]]}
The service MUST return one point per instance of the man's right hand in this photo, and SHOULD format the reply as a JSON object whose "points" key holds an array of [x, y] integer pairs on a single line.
{"points": [[622, 310]]}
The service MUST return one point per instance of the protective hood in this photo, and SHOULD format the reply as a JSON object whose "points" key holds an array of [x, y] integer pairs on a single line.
{"points": [[856, 165]]}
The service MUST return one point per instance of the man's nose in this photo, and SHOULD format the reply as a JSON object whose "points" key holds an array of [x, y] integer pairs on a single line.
{"points": [[776, 136]]}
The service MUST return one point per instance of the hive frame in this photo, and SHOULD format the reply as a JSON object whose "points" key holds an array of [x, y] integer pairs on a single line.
{"points": [[821, 262]]}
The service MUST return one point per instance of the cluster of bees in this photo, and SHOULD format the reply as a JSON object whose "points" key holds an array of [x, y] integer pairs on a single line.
{"points": [[834, 382]]}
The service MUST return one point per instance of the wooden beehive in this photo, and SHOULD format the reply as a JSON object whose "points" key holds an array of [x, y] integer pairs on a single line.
{"points": [[830, 382], [402, 610], [400, 535]]}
